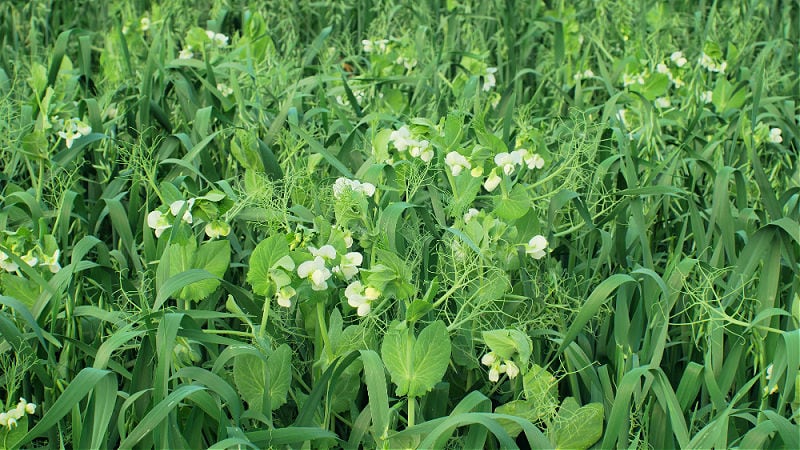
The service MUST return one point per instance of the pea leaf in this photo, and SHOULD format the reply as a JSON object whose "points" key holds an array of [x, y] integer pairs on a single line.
{"points": [[416, 364], [264, 257], [250, 376]]}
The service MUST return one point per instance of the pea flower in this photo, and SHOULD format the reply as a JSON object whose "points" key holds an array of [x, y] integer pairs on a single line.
{"points": [[29, 259], [326, 252], [73, 129], [706, 97], [402, 138], [144, 24], [285, 295], [631, 79], [6, 264], [224, 89], [476, 172], [662, 102], [662, 68], [536, 247], [219, 39], [471, 214], [511, 369], [492, 181], [534, 161], [51, 261], [508, 161], [316, 272], [158, 221], [678, 59], [343, 185], [457, 163], [186, 53], [775, 135], [361, 297], [217, 228], [488, 359], [368, 46], [489, 80], [422, 150], [176, 207], [348, 265]]}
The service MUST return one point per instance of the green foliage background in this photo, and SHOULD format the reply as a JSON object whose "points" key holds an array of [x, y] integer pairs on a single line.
{"points": [[668, 304]]}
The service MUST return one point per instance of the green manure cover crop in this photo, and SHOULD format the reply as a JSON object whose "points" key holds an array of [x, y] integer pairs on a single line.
{"points": [[480, 224]]}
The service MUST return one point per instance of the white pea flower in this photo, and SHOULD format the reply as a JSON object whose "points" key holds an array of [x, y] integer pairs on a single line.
{"points": [[588, 73], [224, 89], [471, 214], [219, 39], [360, 297], [678, 59], [508, 161], [51, 261], [415, 149], [662, 68], [368, 46], [536, 247], [494, 374], [348, 238], [3, 419], [492, 181], [489, 79], [284, 296], [349, 264], [677, 81], [343, 185], [457, 163], [326, 251], [217, 229], [402, 138], [630, 79], [29, 259], [316, 272], [662, 102], [158, 221], [534, 161], [7, 264], [186, 53], [706, 96], [12, 423], [488, 359], [775, 136], [511, 369], [144, 24], [476, 172], [30, 408], [176, 207]]}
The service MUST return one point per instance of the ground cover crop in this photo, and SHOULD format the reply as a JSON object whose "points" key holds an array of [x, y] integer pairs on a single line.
{"points": [[477, 224]]}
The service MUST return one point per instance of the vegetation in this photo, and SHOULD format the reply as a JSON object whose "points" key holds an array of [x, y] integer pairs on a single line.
{"points": [[479, 224]]}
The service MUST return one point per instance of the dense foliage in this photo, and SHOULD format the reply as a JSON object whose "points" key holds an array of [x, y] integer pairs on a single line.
{"points": [[479, 224]]}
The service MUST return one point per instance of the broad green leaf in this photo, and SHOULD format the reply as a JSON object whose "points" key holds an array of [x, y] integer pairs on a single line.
{"points": [[416, 365], [577, 427], [213, 257], [266, 254], [250, 374], [513, 205], [504, 343]]}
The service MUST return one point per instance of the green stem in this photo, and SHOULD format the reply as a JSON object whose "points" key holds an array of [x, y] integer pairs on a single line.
{"points": [[323, 330], [262, 331], [411, 412]]}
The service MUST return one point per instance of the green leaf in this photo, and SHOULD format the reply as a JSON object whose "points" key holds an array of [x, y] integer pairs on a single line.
{"points": [[416, 365], [504, 343], [251, 374], [513, 205], [213, 257], [264, 257], [577, 427]]}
